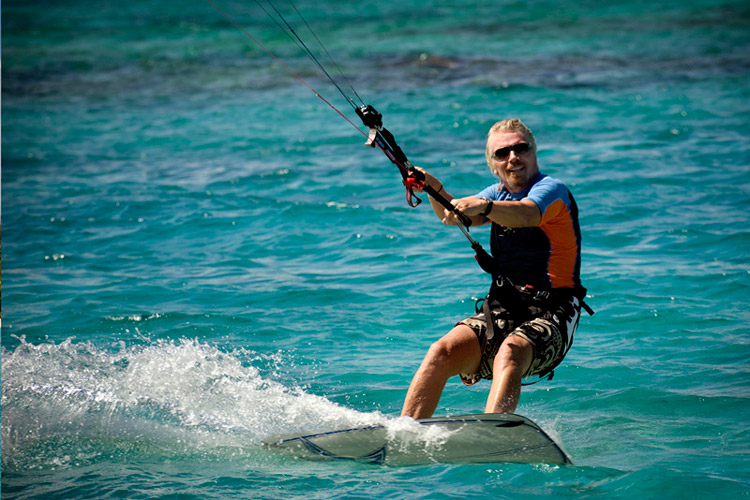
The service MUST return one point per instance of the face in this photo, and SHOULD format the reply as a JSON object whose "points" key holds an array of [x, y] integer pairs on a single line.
{"points": [[517, 169]]}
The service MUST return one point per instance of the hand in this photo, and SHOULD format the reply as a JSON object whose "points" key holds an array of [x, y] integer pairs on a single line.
{"points": [[471, 205], [429, 179]]}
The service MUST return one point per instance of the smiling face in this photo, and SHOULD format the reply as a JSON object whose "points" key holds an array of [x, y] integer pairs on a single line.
{"points": [[517, 169]]}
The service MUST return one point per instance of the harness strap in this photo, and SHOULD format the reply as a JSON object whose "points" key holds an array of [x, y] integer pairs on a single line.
{"points": [[587, 308], [490, 322], [581, 294], [541, 377]]}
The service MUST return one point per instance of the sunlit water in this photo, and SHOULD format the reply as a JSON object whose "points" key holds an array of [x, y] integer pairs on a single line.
{"points": [[198, 253]]}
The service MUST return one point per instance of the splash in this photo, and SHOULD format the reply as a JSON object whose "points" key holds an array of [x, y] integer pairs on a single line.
{"points": [[409, 436], [183, 396]]}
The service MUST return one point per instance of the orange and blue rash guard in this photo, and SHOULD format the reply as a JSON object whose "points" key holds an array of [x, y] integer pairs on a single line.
{"points": [[548, 255]]}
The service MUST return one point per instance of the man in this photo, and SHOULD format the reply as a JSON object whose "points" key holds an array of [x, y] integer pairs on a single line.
{"points": [[536, 295]]}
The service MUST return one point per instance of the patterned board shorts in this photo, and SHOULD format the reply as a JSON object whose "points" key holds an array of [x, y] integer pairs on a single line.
{"points": [[550, 332]]}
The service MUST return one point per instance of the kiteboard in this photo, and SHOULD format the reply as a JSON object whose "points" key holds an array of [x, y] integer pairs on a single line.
{"points": [[485, 438]]}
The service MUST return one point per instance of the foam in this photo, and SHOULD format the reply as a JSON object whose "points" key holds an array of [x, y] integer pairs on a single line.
{"points": [[184, 394]]}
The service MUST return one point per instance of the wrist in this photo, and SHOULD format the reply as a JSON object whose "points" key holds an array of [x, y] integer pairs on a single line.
{"points": [[486, 212]]}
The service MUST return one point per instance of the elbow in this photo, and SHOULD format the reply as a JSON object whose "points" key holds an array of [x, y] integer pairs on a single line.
{"points": [[532, 215], [528, 217]]}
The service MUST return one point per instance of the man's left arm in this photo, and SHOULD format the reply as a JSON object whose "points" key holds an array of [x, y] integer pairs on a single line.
{"points": [[524, 213]]}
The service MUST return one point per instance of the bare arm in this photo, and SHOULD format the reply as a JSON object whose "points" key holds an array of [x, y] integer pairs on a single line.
{"points": [[524, 213], [437, 208]]}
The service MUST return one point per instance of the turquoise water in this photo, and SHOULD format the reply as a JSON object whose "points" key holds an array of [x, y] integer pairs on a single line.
{"points": [[198, 252]]}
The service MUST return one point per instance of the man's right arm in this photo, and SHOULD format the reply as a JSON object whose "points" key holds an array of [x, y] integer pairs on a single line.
{"points": [[445, 216], [438, 187]]}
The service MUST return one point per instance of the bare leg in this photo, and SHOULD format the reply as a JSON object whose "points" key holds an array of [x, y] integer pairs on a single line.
{"points": [[456, 352], [511, 362]]}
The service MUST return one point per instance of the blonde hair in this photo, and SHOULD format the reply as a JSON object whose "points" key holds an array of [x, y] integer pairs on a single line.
{"points": [[511, 125]]}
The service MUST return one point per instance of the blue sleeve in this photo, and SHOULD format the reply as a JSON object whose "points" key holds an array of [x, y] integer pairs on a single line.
{"points": [[547, 191], [490, 192]]}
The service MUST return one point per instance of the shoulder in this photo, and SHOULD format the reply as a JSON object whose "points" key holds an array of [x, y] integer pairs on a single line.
{"points": [[546, 190], [547, 182], [546, 186]]}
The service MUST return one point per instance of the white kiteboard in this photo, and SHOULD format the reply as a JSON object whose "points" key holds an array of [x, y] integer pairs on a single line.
{"points": [[492, 437]]}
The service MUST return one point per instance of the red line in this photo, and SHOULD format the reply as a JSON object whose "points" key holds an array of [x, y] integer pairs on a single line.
{"points": [[251, 37]]}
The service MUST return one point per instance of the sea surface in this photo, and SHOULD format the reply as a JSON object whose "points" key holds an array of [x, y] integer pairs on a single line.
{"points": [[198, 252]]}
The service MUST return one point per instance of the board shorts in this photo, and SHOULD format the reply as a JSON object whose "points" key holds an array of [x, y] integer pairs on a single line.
{"points": [[548, 320]]}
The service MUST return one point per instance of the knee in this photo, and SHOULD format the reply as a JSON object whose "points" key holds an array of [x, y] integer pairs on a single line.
{"points": [[456, 352], [515, 353], [439, 353]]}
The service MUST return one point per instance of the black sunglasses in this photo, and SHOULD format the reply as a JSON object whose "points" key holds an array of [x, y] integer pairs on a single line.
{"points": [[520, 149]]}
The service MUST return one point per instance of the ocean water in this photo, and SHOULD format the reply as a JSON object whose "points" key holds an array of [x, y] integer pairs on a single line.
{"points": [[198, 252]]}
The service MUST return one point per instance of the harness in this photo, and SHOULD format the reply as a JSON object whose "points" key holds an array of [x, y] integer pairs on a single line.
{"points": [[512, 302]]}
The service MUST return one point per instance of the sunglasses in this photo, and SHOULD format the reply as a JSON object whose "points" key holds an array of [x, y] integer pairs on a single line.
{"points": [[519, 149]]}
